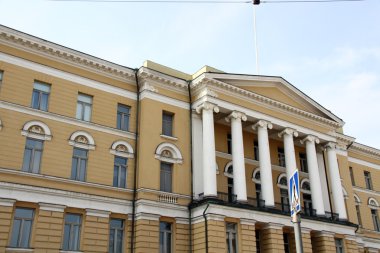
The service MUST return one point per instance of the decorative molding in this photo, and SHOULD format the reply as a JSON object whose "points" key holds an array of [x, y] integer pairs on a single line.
{"points": [[207, 106], [372, 192], [271, 225], [226, 173], [60, 53], [364, 163], [303, 181], [254, 179], [288, 131], [206, 91], [330, 145], [310, 138], [7, 202], [146, 86], [236, 115], [172, 138], [279, 185], [249, 222], [36, 129], [265, 101], [164, 99], [181, 220], [263, 124], [168, 152], [82, 139], [51, 207], [98, 213], [65, 119], [18, 250], [162, 192], [365, 150], [372, 203], [122, 148]]}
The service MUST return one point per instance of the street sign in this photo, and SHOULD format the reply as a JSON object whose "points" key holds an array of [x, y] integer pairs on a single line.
{"points": [[294, 190]]}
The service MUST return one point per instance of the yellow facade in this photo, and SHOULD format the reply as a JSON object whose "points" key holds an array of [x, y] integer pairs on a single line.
{"points": [[144, 205]]}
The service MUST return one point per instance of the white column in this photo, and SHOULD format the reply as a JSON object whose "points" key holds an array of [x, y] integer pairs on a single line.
{"points": [[336, 184], [240, 187], [315, 180], [290, 156], [262, 127], [209, 164], [197, 155]]}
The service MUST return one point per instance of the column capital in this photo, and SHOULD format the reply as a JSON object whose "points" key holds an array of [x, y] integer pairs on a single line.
{"points": [[288, 131], [310, 138], [207, 106], [236, 115], [330, 145], [263, 124]]}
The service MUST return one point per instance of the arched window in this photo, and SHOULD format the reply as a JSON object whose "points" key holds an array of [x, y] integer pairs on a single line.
{"points": [[229, 170], [256, 177], [168, 152], [306, 195], [229, 173], [282, 183], [374, 206], [36, 133], [82, 143], [122, 151], [122, 148], [1, 125], [357, 208]]}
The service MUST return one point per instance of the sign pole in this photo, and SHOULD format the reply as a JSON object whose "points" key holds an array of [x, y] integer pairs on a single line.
{"points": [[297, 232]]}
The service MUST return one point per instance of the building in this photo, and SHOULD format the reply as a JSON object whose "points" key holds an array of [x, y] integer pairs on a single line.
{"points": [[98, 157]]}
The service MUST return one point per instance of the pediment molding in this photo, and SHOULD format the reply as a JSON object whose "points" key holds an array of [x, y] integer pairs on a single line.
{"points": [[228, 89], [60, 53], [365, 150]]}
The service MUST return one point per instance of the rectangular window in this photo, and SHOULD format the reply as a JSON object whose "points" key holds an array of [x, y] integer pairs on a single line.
{"points": [[229, 144], [286, 243], [165, 237], [256, 150], [22, 227], [231, 237], [1, 76], [166, 177], [258, 241], [167, 123], [32, 155], [375, 219], [71, 234], [40, 96], [84, 105], [368, 180], [352, 176], [357, 207], [303, 163], [79, 164], [116, 236], [281, 157], [120, 172], [339, 245], [123, 117]]}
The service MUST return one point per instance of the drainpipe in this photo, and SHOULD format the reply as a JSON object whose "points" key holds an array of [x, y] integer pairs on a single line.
{"points": [[191, 170], [136, 163], [206, 226]]}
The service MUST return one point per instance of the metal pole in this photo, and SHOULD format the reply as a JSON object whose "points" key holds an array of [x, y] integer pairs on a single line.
{"points": [[297, 232]]}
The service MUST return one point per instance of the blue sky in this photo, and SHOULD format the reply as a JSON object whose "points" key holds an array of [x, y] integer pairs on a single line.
{"points": [[331, 51]]}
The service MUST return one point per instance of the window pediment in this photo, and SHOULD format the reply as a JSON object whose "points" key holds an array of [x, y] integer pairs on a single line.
{"points": [[122, 148], [37, 130], [168, 152], [82, 139]]}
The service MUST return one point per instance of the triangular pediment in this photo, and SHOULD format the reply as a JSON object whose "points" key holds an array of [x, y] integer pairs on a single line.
{"points": [[278, 89]]}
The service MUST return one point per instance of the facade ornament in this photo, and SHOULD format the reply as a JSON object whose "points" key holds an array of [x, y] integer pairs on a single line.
{"points": [[330, 145], [207, 106], [288, 131], [236, 115], [263, 124], [148, 87], [206, 92], [310, 138]]}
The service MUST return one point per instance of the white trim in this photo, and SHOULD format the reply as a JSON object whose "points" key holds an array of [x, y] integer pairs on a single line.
{"points": [[357, 199], [257, 116], [70, 251], [147, 216], [364, 163], [128, 154], [18, 250], [122, 154], [359, 189], [51, 207], [162, 192], [305, 180], [164, 99], [161, 209], [257, 170], [97, 213], [67, 76], [169, 137], [279, 179], [65, 119], [90, 139], [45, 136], [7, 202], [371, 199], [229, 175], [173, 149], [345, 194], [37, 194]]}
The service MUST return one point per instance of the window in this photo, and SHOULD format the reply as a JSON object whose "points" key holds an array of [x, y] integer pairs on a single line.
{"points": [[120, 172], [352, 176], [256, 150], [116, 236], [258, 241], [281, 157], [357, 207], [84, 105], [286, 243], [165, 237], [231, 238], [368, 180], [79, 164], [285, 207], [167, 123], [1, 76], [123, 117], [40, 96], [32, 155], [71, 234], [166, 177], [375, 219], [229, 144], [339, 245], [303, 162], [22, 227]]}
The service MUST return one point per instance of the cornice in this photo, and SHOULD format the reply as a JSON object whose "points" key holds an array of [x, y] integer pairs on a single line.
{"points": [[203, 80], [60, 53], [365, 150], [344, 139], [162, 80]]}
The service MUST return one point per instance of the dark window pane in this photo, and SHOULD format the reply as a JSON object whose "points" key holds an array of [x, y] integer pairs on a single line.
{"points": [[119, 118], [15, 232], [74, 168], [36, 162], [44, 101], [122, 177], [167, 124], [27, 159], [115, 176], [66, 236], [83, 166], [35, 99], [26, 231]]}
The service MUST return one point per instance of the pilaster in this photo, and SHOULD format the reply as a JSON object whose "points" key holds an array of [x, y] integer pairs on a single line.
{"points": [[272, 240], [6, 210], [96, 231]]}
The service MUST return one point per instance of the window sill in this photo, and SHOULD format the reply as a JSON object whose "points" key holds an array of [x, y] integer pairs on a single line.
{"points": [[19, 250], [169, 137]]}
